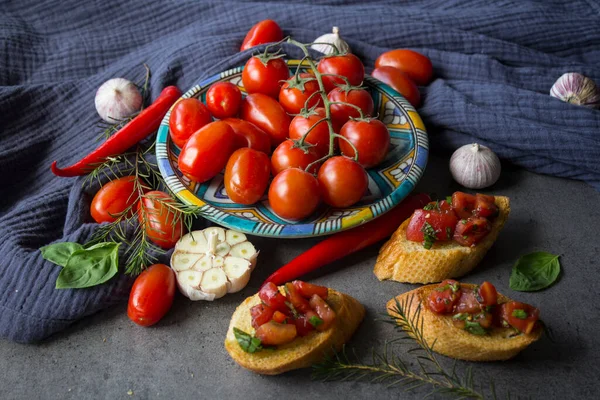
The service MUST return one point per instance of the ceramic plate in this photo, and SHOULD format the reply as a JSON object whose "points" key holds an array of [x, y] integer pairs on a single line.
{"points": [[389, 183]]}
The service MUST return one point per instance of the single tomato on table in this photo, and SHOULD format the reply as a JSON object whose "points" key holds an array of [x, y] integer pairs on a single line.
{"points": [[266, 31], [347, 65], [341, 113], [158, 220], [267, 114], [318, 135], [415, 65], [223, 99], [294, 194], [114, 198], [187, 116], [297, 90], [400, 82], [371, 139], [152, 295], [247, 175], [249, 135], [264, 74], [287, 156], [342, 181]]}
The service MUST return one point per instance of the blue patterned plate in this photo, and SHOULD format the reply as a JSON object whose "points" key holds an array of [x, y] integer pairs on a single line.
{"points": [[389, 183]]}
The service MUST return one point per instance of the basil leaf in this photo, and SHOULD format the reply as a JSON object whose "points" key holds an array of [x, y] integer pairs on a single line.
{"points": [[315, 321], [534, 271], [474, 328], [59, 253], [249, 344], [89, 267], [518, 313]]}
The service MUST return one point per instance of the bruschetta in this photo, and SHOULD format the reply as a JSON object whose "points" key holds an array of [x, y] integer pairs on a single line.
{"points": [[445, 239], [471, 322], [289, 327]]}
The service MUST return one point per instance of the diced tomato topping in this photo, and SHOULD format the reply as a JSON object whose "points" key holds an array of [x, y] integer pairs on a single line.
{"points": [[520, 316], [488, 296], [324, 312], [270, 295], [303, 327], [443, 297], [485, 206], [300, 303], [279, 317], [306, 290], [467, 303], [463, 204], [274, 334], [469, 232], [445, 207], [484, 319], [442, 225], [261, 314]]}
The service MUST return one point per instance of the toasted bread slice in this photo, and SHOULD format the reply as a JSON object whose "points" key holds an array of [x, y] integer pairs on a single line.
{"points": [[405, 261], [303, 351], [458, 343]]}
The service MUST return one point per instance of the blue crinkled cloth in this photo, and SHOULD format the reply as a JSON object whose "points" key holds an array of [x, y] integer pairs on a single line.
{"points": [[494, 66]]}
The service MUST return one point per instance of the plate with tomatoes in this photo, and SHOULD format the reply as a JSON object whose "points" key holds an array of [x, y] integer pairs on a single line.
{"points": [[388, 182]]}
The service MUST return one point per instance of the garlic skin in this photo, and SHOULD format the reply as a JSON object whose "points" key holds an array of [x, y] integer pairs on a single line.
{"points": [[475, 166], [576, 89], [117, 99], [333, 38]]}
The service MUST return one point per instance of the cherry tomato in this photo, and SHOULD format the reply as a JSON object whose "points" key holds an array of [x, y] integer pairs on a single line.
{"points": [[207, 151], [249, 135], [400, 82], [223, 99], [485, 206], [469, 232], [325, 312], [265, 78], [487, 294], [308, 289], [114, 198], [340, 113], [267, 114], [442, 223], [294, 194], [247, 175], [441, 300], [276, 334], [295, 92], [417, 66], [343, 181], [261, 314], [187, 116], [520, 316], [270, 295], [371, 138], [287, 156], [319, 135], [463, 204], [151, 295], [347, 65], [158, 220], [266, 31], [300, 303]]}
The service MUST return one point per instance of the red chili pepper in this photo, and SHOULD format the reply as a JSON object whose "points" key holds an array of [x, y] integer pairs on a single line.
{"points": [[341, 244], [137, 129]]}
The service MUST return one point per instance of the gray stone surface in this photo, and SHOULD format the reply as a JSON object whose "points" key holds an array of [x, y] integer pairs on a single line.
{"points": [[106, 356]]}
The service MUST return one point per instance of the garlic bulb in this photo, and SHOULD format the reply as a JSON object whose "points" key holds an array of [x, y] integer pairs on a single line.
{"points": [[117, 99], [576, 89], [475, 166], [320, 43]]}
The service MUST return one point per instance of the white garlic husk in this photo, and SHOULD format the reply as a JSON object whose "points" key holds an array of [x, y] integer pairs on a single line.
{"points": [[117, 99], [320, 43], [475, 166], [576, 89]]}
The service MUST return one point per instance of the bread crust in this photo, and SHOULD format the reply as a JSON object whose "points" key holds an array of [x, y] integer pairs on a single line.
{"points": [[303, 351], [458, 343], [405, 261]]}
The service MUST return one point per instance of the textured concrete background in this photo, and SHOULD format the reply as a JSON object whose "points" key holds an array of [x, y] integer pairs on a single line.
{"points": [[108, 357]]}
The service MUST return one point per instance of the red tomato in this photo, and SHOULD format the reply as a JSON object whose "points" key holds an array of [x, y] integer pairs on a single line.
{"points": [[520, 316], [417, 66], [443, 225], [270, 295], [308, 289], [488, 296], [303, 326], [469, 232], [114, 198], [370, 137], [286, 156], [267, 114], [325, 312], [467, 302], [295, 92], [265, 78], [442, 299], [463, 204], [347, 65], [340, 113], [247, 175], [266, 31], [444, 206], [319, 135], [187, 116], [158, 220], [249, 135], [300, 303], [151, 295], [343, 181], [223, 99], [400, 82], [207, 151], [275, 334], [485, 206], [261, 314], [294, 194]]}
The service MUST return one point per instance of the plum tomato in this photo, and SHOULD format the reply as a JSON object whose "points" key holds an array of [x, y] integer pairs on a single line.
{"points": [[158, 220], [442, 299], [442, 225], [287, 156], [247, 175], [266, 31], [187, 116], [371, 139], [294, 194], [415, 65], [342, 181], [308, 289], [151, 295], [295, 92], [319, 135], [261, 314], [267, 114], [400, 82], [275, 334], [324, 312], [487, 294], [114, 198], [347, 65], [463, 204], [520, 316], [207, 151], [265, 76], [223, 99], [249, 135], [470, 231], [340, 113]]}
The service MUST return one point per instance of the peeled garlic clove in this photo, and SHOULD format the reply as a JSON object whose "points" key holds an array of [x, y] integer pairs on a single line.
{"points": [[193, 242], [475, 166], [184, 261], [234, 237], [117, 99], [214, 281], [322, 43], [190, 278], [238, 273], [576, 89], [193, 293], [204, 264], [244, 250], [222, 249]]}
